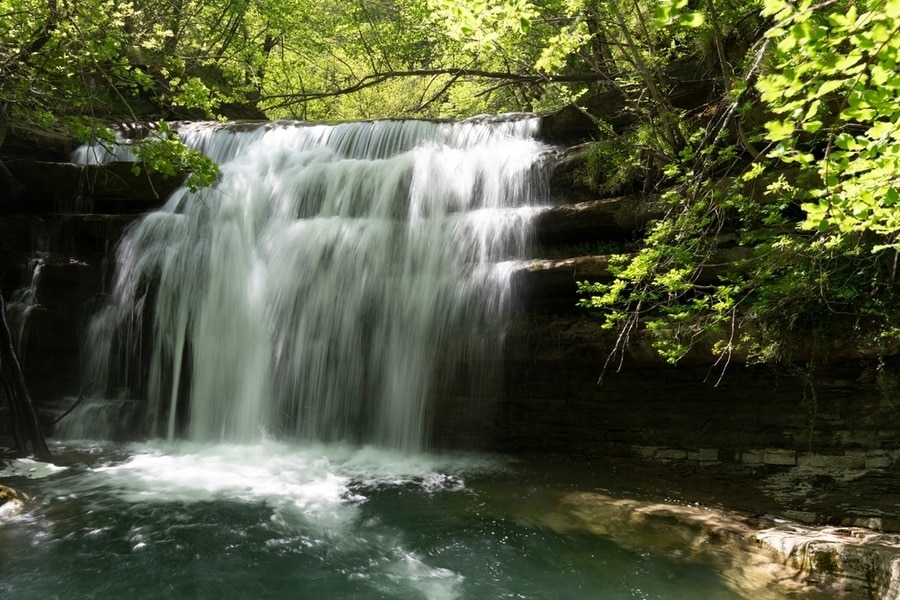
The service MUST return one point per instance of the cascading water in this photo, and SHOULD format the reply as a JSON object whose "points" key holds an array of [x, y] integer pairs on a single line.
{"points": [[329, 283]]}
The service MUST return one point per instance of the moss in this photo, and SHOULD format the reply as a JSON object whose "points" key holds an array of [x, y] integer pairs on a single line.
{"points": [[826, 562]]}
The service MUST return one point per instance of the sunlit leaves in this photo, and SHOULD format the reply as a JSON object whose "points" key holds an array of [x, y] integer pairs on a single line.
{"points": [[483, 25], [845, 56], [676, 12], [561, 46], [75, 58], [164, 153]]}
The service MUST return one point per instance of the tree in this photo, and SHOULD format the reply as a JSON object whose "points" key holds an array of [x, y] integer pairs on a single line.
{"points": [[78, 64], [820, 239], [25, 426]]}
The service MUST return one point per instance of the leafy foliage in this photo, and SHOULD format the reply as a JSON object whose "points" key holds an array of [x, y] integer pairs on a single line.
{"points": [[164, 153], [69, 62], [838, 86], [819, 244]]}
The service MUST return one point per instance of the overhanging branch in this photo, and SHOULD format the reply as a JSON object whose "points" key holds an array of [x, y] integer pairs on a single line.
{"points": [[284, 100]]}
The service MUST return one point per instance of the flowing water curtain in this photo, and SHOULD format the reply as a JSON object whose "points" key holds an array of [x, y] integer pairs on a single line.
{"points": [[328, 285]]}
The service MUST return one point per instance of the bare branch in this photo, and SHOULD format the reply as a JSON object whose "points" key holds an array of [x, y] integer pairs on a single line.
{"points": [[379, 78]]}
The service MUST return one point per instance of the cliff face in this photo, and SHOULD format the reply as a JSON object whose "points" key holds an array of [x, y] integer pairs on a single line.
{"points": [[59, 224], [59, 231]]}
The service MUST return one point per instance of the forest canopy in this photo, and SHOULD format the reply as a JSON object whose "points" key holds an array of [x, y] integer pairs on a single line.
{"points": [[343, 59], [792, 155]]}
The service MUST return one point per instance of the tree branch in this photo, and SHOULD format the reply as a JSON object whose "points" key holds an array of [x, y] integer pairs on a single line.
{"points": [[17, 393], [378, 78]]}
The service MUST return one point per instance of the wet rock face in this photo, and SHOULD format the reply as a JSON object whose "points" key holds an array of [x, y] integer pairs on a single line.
{"points": [[59, 225], [52, 270], [61, 187]]}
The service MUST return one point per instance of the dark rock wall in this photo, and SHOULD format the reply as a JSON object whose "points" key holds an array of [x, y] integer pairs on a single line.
{"points": [[53, 271], [556, 397], [58, 233], [558, 382]]}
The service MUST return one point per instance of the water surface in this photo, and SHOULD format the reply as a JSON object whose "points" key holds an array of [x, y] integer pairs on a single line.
{"points": [[278, 520]]}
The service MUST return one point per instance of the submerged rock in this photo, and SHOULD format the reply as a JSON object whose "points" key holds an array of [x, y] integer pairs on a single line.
{"points": [[12, 502], [757, 557]]}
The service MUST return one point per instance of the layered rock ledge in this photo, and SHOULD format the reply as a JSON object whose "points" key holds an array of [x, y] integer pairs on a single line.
{"points": [[761, 558]]}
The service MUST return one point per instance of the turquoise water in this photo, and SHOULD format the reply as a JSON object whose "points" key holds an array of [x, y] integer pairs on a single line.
{"points": [[274, 520]]}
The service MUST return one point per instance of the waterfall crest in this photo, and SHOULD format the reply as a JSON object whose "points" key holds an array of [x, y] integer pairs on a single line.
{"points": [[326, 286]]}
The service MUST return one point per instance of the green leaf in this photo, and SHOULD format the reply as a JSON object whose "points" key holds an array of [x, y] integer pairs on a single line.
{"points": [[812, 126], [779, 130], [692, 19], [828, 86]]}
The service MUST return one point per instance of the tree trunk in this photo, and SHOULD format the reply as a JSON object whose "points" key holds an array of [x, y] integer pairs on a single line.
{"points": [[25, 423]]}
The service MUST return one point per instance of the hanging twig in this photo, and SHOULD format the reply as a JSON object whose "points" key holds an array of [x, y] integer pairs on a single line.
{"points": [[75, 405]]}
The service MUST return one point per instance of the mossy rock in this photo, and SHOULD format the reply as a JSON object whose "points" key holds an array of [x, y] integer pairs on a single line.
{"points": [[7, 494], [12, 502]]}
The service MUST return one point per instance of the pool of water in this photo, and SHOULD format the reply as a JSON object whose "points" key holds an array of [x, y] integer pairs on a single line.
{"points": [[274, 520]]}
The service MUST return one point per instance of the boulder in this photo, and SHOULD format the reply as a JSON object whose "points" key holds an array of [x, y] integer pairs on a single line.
{"points": [[11, 502]]}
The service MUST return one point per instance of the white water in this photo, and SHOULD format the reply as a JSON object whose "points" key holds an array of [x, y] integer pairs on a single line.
{"points": [[301, 502], [277, 520], [327, 286]]}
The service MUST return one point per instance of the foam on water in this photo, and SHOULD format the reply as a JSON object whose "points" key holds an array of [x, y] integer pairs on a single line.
{"points": [[313, 476], [314, 495], [29, 468]]}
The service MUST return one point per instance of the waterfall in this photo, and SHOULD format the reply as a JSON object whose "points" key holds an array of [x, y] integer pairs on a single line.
{"points": [[333, 280]]}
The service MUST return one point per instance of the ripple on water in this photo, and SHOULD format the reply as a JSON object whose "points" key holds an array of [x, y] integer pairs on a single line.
{"points": [[273, 520]]}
